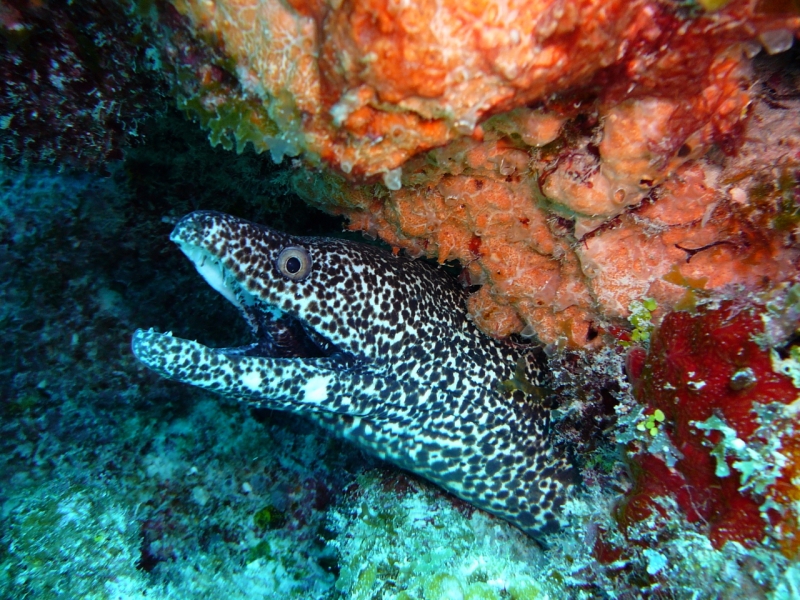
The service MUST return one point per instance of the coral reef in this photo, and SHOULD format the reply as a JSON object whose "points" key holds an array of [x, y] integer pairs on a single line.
{"points": [[560, 154], [613, 175], [366, 85], [139, 488], [76, 82]]}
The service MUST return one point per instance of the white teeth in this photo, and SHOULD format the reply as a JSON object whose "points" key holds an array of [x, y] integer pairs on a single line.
{"points": [[777, 40], [751, 48]]}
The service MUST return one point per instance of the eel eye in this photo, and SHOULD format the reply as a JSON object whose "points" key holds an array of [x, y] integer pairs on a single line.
{"points": [[294, 263]]}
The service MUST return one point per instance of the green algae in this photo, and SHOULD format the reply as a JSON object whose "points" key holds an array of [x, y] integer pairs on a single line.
{"points": [[641, 318], [788, 210], [269, 517]]}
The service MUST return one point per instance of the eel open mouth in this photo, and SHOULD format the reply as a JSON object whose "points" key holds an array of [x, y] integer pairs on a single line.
{"points": [[279, 334]]}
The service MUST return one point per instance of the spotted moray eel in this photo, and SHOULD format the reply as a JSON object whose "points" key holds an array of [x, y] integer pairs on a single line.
{"points": [[379, 349]]}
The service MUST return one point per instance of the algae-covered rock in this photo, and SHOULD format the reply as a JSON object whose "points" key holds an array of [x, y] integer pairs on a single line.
{"points": [[70, 542], [443, 586], [401, 539]]}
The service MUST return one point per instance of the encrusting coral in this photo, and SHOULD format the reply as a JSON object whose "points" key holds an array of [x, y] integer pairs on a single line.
{"points": [[729, 415], [559, 151], [366, 85]]}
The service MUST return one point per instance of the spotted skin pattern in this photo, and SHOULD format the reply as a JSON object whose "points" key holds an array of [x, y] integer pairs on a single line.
{"points": [[399, 368]]}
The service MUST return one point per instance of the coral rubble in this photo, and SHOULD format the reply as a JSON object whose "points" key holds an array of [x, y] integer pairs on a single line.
{"points": [[390, 552], [574, 157]]}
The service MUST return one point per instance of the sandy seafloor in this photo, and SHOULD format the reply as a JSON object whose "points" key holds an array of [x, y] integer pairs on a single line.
{"points": [[117, 484]]}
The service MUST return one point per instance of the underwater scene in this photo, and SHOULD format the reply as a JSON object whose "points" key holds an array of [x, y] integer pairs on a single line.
{"points": [[399, 300]]}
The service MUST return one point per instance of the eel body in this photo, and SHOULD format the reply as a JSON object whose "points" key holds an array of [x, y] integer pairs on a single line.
{"points": [[379, 349]]}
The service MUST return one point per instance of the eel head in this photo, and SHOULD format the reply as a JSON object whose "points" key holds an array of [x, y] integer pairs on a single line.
{"points": [[317, 307]]}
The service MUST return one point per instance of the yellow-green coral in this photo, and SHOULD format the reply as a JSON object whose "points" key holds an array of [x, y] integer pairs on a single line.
{"points": [[268, 517], [713, 5]]}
